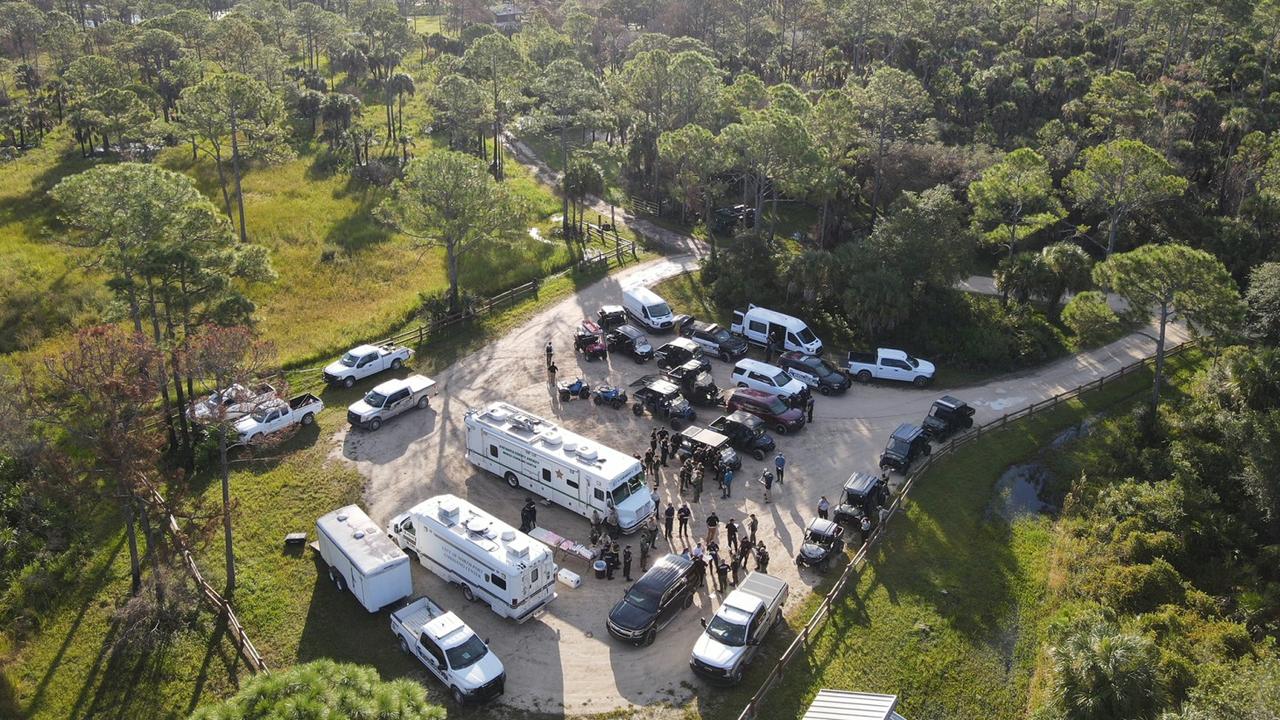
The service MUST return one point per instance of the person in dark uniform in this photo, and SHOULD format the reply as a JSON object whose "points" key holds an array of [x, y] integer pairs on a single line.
{"points": [[808, 405], [734, 566], [626, 563], [528, 515], [550, 353], [731, 534], [644, 557], [722, 572], [663, 449], [668, 517], [684, 513], [752, 526], [762, 558]]}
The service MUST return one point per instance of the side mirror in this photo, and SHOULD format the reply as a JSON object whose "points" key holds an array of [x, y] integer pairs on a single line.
{"points": [[704, 623], [486, 641]]}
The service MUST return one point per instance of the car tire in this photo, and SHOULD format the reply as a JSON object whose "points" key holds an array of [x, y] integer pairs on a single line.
{"points": [[597, 400], [404, 645], [348, 382], [824, 389], [397, 364], [254, 439], [458, 697], [780, 429], [920, 382], [864, 376], [308, 419], [688, 600], [375, 424], [757, 454], [468, 593], [637, 409], [735, 677], [423, 402], [617, 404], [649, 637], [512, 480], [742, 384], [725, 357]]}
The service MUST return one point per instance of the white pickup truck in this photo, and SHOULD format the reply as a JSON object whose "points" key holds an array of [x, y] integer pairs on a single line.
{"points": [[276, 415], [389, 399], [888, 364], [450, 650], [740, 624], [362, 361]]}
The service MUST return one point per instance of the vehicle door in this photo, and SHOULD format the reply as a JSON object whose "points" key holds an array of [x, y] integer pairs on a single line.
{"points": [[433, 657], [272, 421], [737, 325], [758, 331], [793, 343], [893, 368], [756, 629], [802, 372], [398, 402], [367, 364], [409, 535], [703, 340], [763, 382], [672, 600]]}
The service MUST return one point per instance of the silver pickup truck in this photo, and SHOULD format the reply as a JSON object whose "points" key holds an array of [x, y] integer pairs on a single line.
{"points": [[389, 399], [740, 624], [450, 650]]}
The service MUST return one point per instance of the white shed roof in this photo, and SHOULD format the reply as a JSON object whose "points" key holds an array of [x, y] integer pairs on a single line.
{"points": [[844, 705]]}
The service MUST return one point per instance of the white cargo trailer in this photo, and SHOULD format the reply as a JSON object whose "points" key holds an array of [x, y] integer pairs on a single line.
{"points": [[563, 467], [490, 560], [361, 559]]}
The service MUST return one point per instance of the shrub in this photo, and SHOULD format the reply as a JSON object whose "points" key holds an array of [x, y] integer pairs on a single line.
{"points": [[1141, 587], [1090, 318]]}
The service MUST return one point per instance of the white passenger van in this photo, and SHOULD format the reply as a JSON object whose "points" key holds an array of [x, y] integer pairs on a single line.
{"points": [[758, 325], [563, 467], [361, 560], [490, 560], [647, 308]]}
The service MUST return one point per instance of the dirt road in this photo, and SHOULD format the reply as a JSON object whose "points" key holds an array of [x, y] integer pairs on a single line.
{"points": [[565, 660]]}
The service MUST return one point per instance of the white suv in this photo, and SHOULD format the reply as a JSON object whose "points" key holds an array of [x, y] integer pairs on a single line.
{"points": [[766, 378]]}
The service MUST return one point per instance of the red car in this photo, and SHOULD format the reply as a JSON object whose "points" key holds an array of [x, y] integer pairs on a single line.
{"points": [[768, 407], [589, 340]]}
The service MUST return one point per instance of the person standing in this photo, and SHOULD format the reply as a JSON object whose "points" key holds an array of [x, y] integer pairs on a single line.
{"points": [[610, 557], [611, 523], [551, 373], [653, 440], [731, 534], [824, 507], [722, 572], [697, 486], [744, 554], [752, 526], [762, 558], [808, 406], [664, 450], [626, 563], [699, 566], [766, 478], [651, 527], [653, 495], [550, 355], [779, 465], [713, 562], [684, 514], [528, 515], [644, 557], [668, 517], [726, 486], [648, 465], [733, 565], [713, 528]]}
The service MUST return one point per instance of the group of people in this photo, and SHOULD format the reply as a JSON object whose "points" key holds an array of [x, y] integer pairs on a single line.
{"points": [[725, 568]]}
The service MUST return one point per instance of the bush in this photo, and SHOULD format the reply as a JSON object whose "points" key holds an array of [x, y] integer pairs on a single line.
{"points": [[1090, 318], [1142, 587], [975, 332]]}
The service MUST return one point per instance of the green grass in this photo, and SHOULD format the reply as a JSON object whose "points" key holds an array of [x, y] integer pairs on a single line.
{"points": [[949, 612]]}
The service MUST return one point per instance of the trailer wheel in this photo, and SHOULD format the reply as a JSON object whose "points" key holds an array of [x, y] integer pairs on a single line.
{"points": [[468, 593], [404, 645], [864, 376], [512, 480], [397, 364], [337, 579], [308, 419], [348, 382]]}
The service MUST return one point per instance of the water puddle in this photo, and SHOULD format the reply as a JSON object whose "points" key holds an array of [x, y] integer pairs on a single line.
{"points": [[1022, 489]]}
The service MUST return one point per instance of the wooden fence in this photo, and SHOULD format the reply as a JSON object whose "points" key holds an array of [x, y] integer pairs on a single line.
{"points": [[811, 628]]}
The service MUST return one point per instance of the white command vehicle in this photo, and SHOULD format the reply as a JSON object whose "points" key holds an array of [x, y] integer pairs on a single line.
{"points": [[389, 399], [734, 634], [567, 469], [365, 360], [276, 415], [450, 650], [887, 364], [768, 378], [361, 559], [760, 325], [647, 308], [490, 560]]}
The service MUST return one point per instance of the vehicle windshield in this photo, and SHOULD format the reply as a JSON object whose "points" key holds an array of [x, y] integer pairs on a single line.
{"points": [[375, 399], [776, 406], [261, 414], [899, 447], [806, 336], [824, 367], [466, 654], [913, 362], [726, 632], [781, 379], [659, 310], [642, 600], [620, 493], [349, 360], [817, 538], [721, 335], [936, 411]]}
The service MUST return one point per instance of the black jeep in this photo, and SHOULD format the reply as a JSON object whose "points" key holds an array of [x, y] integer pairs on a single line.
{"points": [[725, 219], [906, 444], [862, 496], [696, 383], [947, 416], [630, 340], [662, 398], [746, 432]]}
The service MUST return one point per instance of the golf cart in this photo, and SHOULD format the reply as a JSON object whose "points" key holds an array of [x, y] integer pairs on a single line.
{"points": [[862, 496], [696, 383], [947, 416], [823, 540], [692, 438], [588, 340], [612, 316], [678, 352], [631, 340], [746, 432], [907, 443], [663, 399]]}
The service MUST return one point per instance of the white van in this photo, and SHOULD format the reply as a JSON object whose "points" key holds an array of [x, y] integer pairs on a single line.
{"points": [[361, 559], [768, 378], [758, 325], [647, 308]]}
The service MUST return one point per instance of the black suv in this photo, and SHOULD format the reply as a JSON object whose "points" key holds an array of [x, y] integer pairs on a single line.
{"points": [[746, 433], [715, 340], [678, 352], [906, 444], [819, 374], [662, 398], [947, 415], [862, 496], [630, 340], [653, 601]]}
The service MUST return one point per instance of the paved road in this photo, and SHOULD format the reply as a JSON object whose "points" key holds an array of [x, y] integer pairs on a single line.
{"points": [[565, 661]]}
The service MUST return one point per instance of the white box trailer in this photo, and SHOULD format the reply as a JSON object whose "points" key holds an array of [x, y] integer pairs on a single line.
{"points": [[361, 559], [561, 466], [490, 560]]}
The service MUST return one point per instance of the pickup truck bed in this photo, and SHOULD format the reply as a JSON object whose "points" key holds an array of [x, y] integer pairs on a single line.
{"points": [[302, 401]]}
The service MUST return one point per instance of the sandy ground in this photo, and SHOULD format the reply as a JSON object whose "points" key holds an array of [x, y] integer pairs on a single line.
{"points": [[564, 661]]}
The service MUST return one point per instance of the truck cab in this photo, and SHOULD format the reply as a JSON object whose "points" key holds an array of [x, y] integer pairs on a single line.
{"points": [[450, 650], [733, 635]]}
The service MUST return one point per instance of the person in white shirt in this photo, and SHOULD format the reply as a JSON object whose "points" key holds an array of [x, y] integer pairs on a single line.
{"points": [[824, 507]]}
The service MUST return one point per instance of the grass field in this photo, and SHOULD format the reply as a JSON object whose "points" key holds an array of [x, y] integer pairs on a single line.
{"points": [[949, 612]]}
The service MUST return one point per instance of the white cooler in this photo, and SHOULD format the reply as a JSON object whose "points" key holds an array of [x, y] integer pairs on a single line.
{"points": [[569, 578]]}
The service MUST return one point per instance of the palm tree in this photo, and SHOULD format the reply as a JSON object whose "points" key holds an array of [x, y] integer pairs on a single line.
{"points": [[1021, 276], [1069, 268], [397, 86], [1101, 673]]}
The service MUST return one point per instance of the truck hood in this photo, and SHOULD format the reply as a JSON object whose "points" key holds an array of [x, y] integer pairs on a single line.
{"points": [[715, 653], [480, 672], [246, 424], [635, 510], [361, 408], [337, 368], [794, 387], [925, 367]]}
